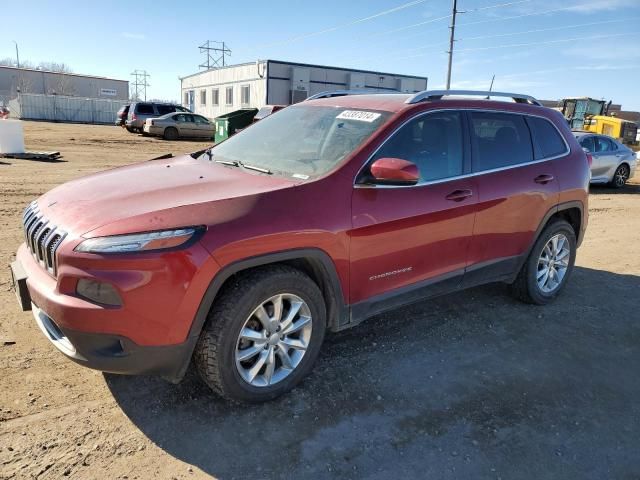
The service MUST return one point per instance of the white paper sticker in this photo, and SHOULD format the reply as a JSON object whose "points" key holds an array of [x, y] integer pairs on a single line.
{"points": [[359, 116], [300, 176]]}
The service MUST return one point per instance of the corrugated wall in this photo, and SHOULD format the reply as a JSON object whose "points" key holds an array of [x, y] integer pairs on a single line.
{"points": [[56, 108]]}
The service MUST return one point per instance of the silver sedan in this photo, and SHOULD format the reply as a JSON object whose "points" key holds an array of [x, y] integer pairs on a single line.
{"points": [[613, 162], [180, 125]]}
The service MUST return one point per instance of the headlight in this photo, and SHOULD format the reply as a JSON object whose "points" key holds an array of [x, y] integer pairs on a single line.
{"points": [[138, 242]]}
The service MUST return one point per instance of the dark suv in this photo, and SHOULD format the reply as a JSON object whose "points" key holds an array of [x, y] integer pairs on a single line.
{"points": [[241, 256], [140, 111]]}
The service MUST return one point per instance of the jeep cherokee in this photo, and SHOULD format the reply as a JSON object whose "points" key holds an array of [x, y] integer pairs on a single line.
{"points": [[241, 256]]}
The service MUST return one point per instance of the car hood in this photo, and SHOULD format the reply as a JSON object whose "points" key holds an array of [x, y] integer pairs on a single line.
{"points": [[152, 195]]}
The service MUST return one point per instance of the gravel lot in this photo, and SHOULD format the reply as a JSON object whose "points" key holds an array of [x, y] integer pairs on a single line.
{"points": [[472, 385]]}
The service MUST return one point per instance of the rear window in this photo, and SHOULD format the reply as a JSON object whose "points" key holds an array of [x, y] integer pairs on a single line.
{"points": [[500, 139], [164, 109], [145, 108], [588, 143], [547, 141], [605, 145]]}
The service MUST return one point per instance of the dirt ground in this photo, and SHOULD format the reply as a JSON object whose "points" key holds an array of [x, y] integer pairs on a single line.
{"points": [[472, 385]]}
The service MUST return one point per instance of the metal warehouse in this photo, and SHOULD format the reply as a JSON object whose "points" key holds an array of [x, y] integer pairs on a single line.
{"points": [[272, 82], [36, 81]]}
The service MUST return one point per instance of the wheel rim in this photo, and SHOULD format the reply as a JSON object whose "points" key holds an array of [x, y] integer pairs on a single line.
{"points": [[273, 340], [621, 175], [553, 263]]}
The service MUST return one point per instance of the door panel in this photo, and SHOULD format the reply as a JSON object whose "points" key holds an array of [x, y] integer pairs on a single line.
{"points": [[402, 236]]}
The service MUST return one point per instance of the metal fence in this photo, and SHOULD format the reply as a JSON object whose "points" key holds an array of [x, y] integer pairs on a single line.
{"points": [[58, 108]]}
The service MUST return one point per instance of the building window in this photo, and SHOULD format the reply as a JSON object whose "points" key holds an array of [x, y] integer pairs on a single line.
{"points": [[215, 97], [203, 97], [186, 98], [229, 98], [245, 94]]}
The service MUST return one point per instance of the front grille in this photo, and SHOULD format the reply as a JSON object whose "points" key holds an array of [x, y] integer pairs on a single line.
{"points": [[42, 237]]}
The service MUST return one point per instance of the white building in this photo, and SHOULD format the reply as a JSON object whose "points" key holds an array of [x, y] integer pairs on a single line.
{"points": [[272, 82]]}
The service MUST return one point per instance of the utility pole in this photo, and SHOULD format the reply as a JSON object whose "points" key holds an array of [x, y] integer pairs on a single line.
{"points": [[140, 84], [216, 59], [451, 40], [17, 55]]}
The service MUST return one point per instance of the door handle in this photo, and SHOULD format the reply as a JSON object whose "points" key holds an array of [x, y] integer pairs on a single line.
{"points": [[543, 179], [459, 195]]}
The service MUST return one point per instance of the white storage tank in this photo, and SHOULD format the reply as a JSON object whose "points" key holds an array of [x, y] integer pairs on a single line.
{"points": [[11, 136]]}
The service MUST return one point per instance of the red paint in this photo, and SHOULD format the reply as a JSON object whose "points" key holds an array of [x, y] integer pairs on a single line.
{"points": [[395, 170], [420, 232]]}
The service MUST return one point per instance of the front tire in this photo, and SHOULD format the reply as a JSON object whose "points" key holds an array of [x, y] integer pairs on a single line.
{"points": [[621, 176], [549, 265], [263, 335]]}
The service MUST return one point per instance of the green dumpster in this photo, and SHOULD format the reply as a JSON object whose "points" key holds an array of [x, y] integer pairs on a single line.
{"points": [[229, 123]]}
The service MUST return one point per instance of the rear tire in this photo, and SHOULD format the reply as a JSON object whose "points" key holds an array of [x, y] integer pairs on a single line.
{"points": [[621, 176], [547, 268], [235, 329], [170, 133]]}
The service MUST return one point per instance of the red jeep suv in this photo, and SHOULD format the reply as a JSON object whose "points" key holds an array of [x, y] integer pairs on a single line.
{"points": [[241, 256]]}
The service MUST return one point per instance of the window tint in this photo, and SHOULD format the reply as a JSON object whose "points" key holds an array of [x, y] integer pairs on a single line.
{"points": [[433, 142], [215, 97], [145, 109], [604, 145], [588, 143], [547, 142], [164, 109], [501, 139]]}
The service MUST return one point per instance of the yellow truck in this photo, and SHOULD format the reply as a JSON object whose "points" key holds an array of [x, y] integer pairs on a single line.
{"points": [[622, 130]]}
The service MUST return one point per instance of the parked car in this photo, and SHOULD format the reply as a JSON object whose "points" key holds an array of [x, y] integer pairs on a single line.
{"points": [[613, 162], [180, 125], [4, 112], [266, 111], [140, 111], [121, 116], [236, 257]]}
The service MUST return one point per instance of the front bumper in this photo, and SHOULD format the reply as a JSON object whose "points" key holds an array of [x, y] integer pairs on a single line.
{"points": [[115, 354]]}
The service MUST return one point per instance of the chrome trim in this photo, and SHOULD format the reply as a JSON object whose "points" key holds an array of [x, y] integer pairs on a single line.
{"points": [[41, 237], [53, 333], [466, 175], [438, 94]]}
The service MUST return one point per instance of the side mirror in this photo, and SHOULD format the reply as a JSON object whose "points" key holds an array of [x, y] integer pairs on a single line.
{"points": [[586, 150], [395, 171]]}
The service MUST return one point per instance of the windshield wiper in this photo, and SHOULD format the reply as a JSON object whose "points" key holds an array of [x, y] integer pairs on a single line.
{"points": [[237, 163], [228, 162]]}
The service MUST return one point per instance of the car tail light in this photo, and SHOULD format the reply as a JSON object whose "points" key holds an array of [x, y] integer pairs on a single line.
{"points": [[133, 117], [589, 159]]}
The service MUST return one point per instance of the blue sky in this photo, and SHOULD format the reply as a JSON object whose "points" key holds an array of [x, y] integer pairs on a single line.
{"points": [[547, 49]]}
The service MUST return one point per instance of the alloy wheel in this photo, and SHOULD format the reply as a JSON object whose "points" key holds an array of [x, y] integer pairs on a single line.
{"points": [[553, 263], [621, 176], [273, 340]]}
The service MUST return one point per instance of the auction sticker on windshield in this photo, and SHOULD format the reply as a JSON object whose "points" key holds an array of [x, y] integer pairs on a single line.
{"points": [[359, 115]]}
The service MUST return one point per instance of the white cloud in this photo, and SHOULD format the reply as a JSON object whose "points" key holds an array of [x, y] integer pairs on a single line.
{"points": [[133, 36], [593, 6]]}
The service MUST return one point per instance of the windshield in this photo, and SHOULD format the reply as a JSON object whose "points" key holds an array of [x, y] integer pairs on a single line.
{"points": [[302, 141]]}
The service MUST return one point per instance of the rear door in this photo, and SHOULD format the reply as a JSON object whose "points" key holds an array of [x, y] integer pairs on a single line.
{"points": [[605, 158], [516, 188], [407, 237], [185, 125]]}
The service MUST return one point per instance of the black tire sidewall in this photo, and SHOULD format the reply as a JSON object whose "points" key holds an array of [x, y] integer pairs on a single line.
{"points": [[171, 133], [536, 294], [615, 175], [233, 383]]}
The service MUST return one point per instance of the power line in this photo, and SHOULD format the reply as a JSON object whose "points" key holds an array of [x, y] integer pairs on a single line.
{"points": [[562, 27], [348, 24], [522, 16]]}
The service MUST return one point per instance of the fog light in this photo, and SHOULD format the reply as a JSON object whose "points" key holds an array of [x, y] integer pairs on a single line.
{"points": [[98, 292]]}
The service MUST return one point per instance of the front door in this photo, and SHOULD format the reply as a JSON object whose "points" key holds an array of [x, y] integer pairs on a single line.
{"points": [[407, 237]]}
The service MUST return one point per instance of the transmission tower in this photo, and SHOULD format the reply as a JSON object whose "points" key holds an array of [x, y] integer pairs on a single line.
{"points": [[215, 54], [140, 84]]}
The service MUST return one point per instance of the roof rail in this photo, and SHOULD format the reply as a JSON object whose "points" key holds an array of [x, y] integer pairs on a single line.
{"points": [[342, 93], [438, 94]]}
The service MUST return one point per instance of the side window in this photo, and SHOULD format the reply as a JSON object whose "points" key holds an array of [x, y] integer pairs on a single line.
{"points": [[164, 109], [188, 118], [588, 143], [434, 142], [180, 118], [604, 145], [200, 119], [500, 139], [547, 141], [145, 109]]}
